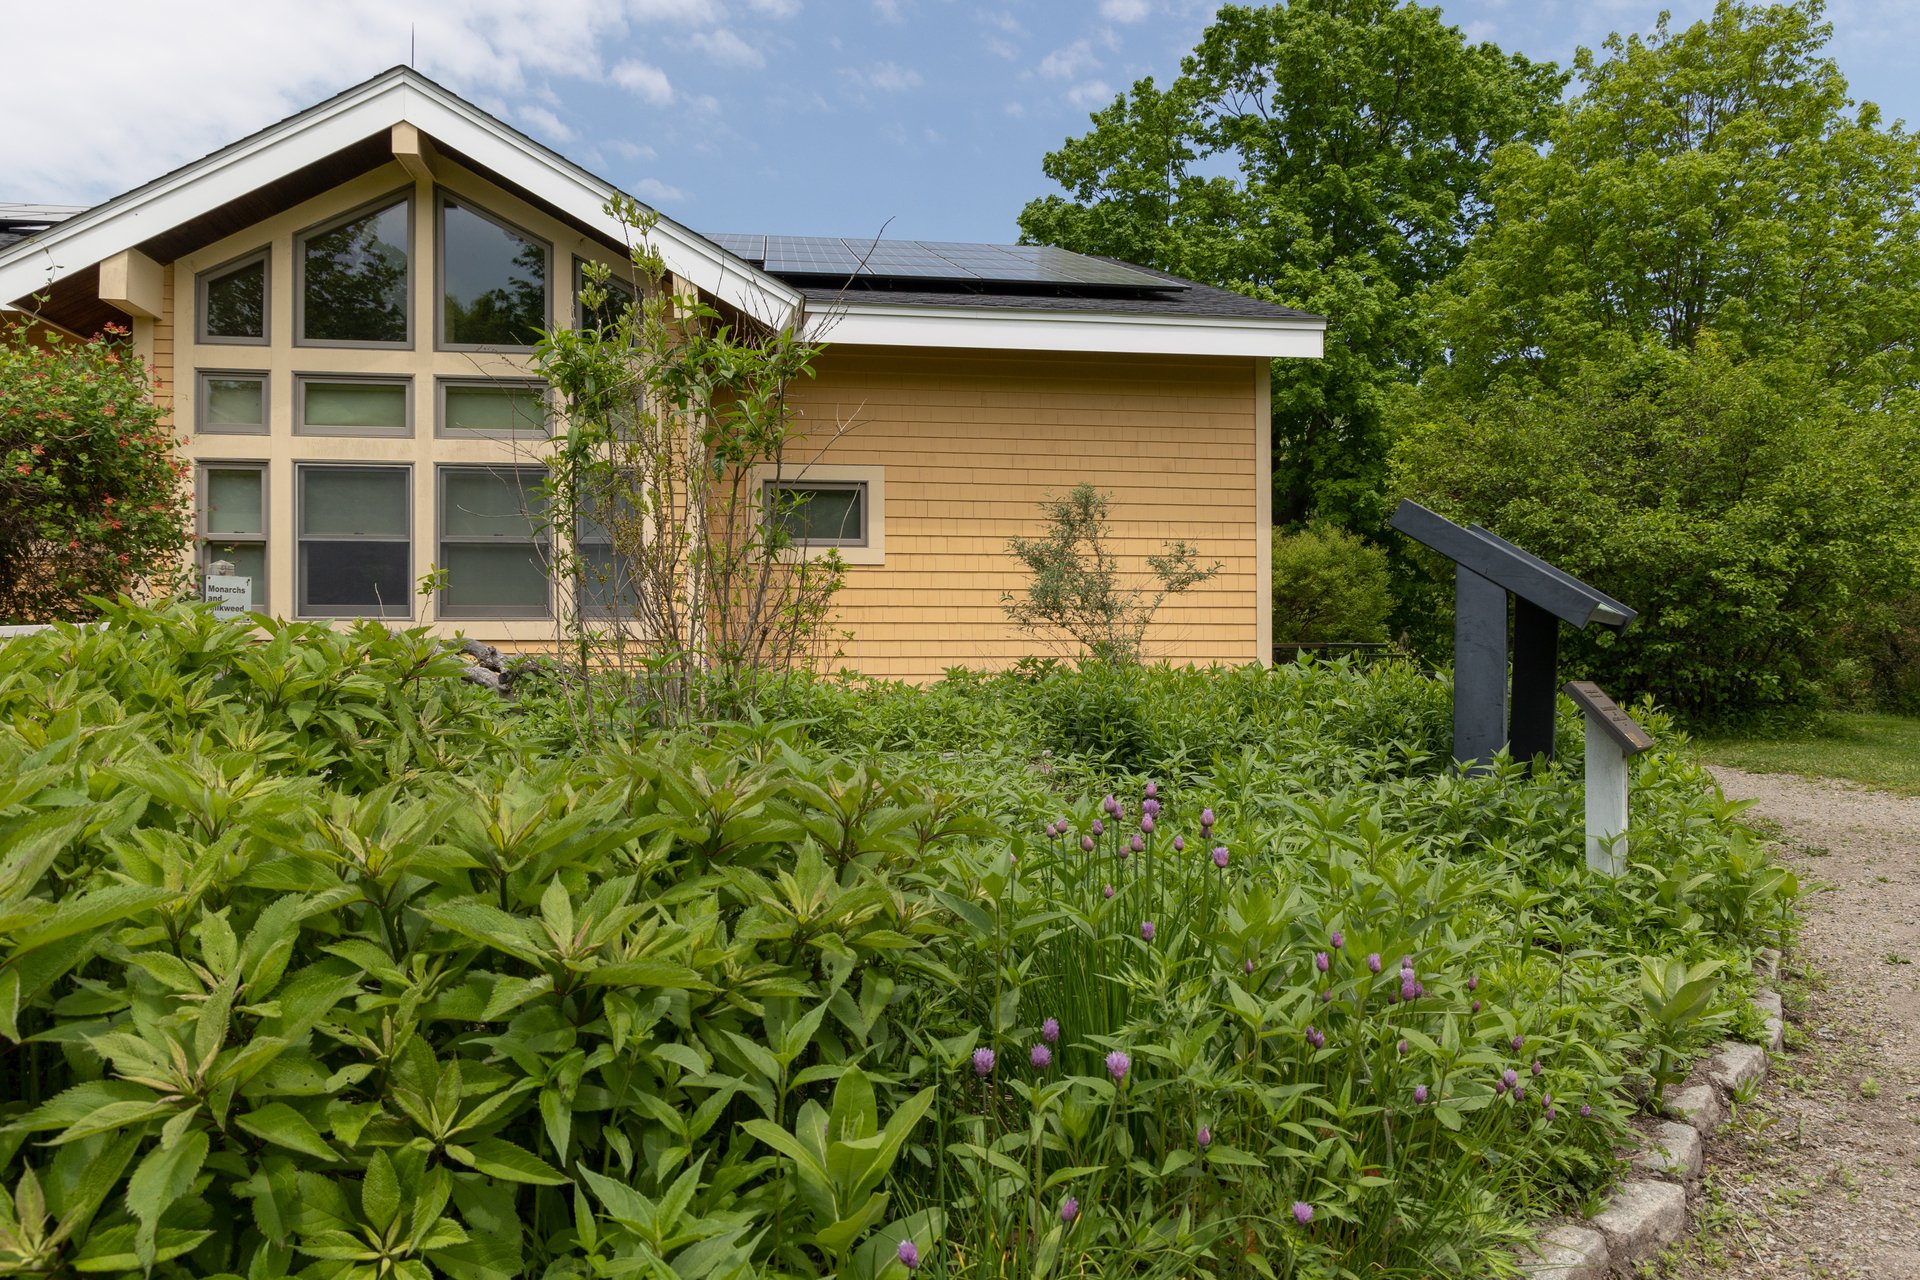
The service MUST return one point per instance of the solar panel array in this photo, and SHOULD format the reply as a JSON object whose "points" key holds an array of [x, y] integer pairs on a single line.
{"points": [[935, 260]]}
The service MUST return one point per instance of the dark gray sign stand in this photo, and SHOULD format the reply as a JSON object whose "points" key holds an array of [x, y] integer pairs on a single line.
{"points": [[1488, 569]]}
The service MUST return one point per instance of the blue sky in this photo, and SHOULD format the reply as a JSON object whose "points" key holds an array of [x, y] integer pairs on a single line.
{"points": [[811, 117]]}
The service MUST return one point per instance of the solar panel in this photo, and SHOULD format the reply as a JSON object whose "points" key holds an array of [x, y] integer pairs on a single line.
{"points": [[937, 260]]}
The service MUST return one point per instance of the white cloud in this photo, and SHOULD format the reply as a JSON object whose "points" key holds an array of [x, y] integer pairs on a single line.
{"points": [[889, 10], [545, 125], [1068, 62], [728, 49], [656, 192], [1015, 109], [775, 8], [1125, 10], [887, 77], [627, 150], [1003, 49], [1003, 20], [644, 80], [1090, 94]]}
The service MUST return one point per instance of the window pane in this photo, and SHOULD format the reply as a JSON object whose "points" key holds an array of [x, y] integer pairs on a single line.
{"points": [[502, 409], [237, 303], [501, 504], [361, 577], [619, 298], [356, 280], [235, 402], [349, 501], [823, 514], [249, 560], [509, 578], [495, 281], [606, 584], [371, 406], [232, 498]]}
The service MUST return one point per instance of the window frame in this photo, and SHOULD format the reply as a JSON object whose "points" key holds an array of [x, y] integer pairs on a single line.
{"points": [[202, 418], [580, 280], [301, 470], [263, 539], [402, 380], [441, 197], [858, 487], [543, 431], [871, 553], [541, 544], [401, 196], [201, 279]]}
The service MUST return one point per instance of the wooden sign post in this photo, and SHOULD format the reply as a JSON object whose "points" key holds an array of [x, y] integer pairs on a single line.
{"points": [[1613, 738]]}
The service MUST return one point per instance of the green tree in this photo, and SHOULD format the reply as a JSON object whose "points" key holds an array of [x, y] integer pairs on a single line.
{"points": [[1714, 178], [1357, 133], [1741, 505], [1329, 584], [91, 497]]}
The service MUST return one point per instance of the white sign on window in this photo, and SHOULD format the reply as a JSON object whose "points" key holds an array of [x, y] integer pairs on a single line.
{"points": [[231, 596]]}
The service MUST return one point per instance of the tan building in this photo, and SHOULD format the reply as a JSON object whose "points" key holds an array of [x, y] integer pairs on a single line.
{"points": [[339, 311]]}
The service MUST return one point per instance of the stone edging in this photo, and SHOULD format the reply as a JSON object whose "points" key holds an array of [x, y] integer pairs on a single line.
{"points": [[1648, 1211]]}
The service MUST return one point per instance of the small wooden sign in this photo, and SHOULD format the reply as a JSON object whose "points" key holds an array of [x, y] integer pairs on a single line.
{"points": [[1605, 712]]}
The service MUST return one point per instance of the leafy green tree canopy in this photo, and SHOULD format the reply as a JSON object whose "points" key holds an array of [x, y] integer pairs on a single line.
{"points": [[1717, 177], [1323, 154]]}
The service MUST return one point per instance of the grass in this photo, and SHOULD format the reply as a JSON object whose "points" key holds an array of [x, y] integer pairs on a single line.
{"points": [[1878, 750]]}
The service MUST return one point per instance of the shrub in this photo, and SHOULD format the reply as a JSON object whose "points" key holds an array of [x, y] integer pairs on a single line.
{"points": [[91, 498], [1329, 584]]}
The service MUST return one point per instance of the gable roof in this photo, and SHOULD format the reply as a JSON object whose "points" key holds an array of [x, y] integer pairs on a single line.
{"points": [[350, 132], [371, 109]]}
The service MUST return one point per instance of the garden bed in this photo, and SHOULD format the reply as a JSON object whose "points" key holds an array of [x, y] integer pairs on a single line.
{"points": [[319, 960]]}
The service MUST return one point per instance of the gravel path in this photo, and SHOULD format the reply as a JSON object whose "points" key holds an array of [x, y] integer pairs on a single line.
{"points": [[1820, 1176]]}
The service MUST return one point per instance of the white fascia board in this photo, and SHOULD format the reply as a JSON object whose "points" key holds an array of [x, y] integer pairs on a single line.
{"points": [[359, 113], [1004, 329]]}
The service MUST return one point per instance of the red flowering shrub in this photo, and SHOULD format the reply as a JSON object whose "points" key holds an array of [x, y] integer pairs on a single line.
{"points": [[92, 499]]}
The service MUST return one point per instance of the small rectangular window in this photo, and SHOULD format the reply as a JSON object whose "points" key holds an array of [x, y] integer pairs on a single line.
{"points": [[336, 405], [493, 281], [820, 513], [356, 278], [355, 542], [493, 408], [233, 521], [619, 297], [494, 547], [233, 403], [233, 301]]}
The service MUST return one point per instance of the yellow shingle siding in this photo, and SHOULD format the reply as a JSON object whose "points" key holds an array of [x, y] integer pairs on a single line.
{"points": [[973, 442]]}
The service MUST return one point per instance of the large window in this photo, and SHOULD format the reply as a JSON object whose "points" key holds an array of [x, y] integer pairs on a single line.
{"points": [[493, 543], [342, 405], [493, 281], [492, 408], [355, 544], [820, 513], [233, 301], [233, 403], [233, 521], [354, 277]]}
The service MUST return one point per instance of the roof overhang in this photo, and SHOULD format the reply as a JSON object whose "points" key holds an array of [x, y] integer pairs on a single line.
{"points": [[393, 97], [1001, 329]]}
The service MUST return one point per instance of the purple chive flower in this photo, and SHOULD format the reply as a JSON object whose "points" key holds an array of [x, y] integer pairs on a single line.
{"points": [[1537, 1068], [1204, 1137], [1118, 1064], [1546, 1099], [1473, 982], [1373, 962], [1099, 828], [1406, 964], [1499, 1088], [909, 1255], [1150, 807], [1220, 857], [1050, 1031], [1302, 1212], [1179, 844], [1051, 831], [1326, 997], [1519, 1093], [1476, 1006], [1402, 1046], [1586, 1111], [1517, 1042], [1146, 930], [1109, 805], [1041, 1057], [1509, 1077], [1137, 844], [1146, 823], [983, 1062], [1153, 789], [1419, 1093], [1069, 1209], [1339, 940], [1316, 1038], [1086, 844], [1109, 891], [1552, 1114], [1206, 817], [1408, 987], [1249, 964], [1320, 961]]}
